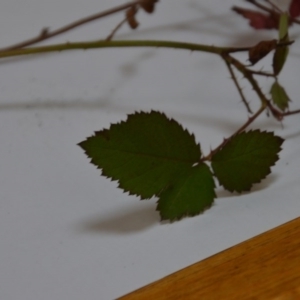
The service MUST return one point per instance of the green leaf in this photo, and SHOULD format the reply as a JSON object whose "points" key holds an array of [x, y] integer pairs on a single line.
{"points": [[282, 52], [246, 159], [191, 194], [145, 153], [279, 96], [279, 59], [283, 26]]}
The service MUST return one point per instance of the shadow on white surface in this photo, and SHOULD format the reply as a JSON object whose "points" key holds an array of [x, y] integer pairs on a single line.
{"points": [[142, 216], [58, 240], [134, 218]]}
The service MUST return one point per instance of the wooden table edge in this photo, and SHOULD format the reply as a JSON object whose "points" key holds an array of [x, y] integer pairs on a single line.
{"points": [[266, 266]]}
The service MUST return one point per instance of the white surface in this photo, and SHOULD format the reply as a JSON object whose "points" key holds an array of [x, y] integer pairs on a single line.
{"points": [[66, 232]]}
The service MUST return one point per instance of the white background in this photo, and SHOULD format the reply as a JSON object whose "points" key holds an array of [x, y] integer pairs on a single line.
{"points": [[66, 232]]}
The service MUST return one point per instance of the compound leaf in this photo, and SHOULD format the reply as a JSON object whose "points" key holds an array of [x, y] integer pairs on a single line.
{"points": [[246, 159], [145, 153], [279, 96], [189, 195]]}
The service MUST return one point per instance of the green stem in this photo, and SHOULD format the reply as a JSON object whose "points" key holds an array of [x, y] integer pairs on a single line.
{"points": [[241, 129], [115, 44]]}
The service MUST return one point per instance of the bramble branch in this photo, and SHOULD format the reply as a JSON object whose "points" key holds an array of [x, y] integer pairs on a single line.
{"points": [[191, 168], [47, 34]]}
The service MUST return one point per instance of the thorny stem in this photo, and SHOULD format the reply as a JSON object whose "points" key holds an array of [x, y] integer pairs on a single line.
{"points": [[279, 115], [115, 44], [221, 51], [265, 103], [125, 43], [241, 129], [238, 87], [224, 52], [46, 34], [248, 75], [292, 112], [261, 73]]}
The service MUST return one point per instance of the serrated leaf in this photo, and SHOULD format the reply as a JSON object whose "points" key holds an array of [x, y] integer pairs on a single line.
{"points": [[145, 153], [246, 159], [282, 52], [279, 96], [191, 194]]}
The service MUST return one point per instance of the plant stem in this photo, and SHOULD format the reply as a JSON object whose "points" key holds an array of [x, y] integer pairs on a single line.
{"points": [[251, 119], [119, 25], [125, 43], [292, 112], [241, 129], [261, 73], [238, 87], [248, 75], [46, 34], [114, 44]]}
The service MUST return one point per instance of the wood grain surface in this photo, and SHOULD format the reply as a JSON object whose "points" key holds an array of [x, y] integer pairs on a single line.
{"points": [[264, 267]]}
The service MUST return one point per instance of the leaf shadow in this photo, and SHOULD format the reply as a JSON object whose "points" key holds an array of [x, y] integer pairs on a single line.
{"points": [[134, 218], [264, 184]]}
